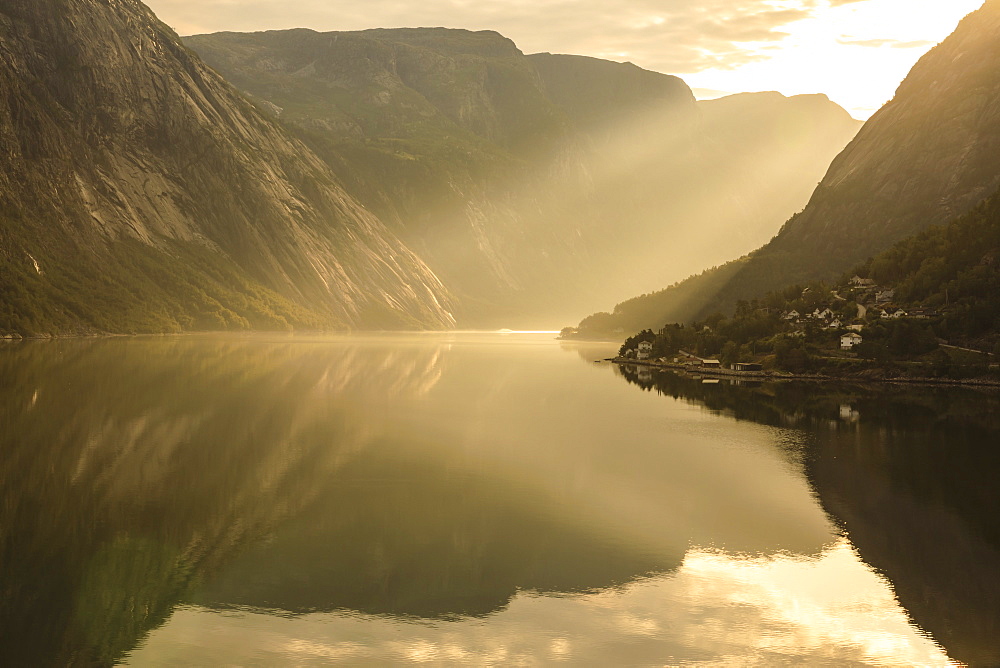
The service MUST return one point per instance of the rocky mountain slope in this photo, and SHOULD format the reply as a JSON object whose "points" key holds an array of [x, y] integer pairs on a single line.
{"points": [[141, 192], [435, 131], [537, 187], [926, 157]]}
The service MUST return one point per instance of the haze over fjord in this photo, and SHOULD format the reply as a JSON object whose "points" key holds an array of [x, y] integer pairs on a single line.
{"points": [[855, 51]]}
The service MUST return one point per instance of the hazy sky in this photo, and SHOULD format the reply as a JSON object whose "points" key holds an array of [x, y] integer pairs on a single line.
{"points": [[855, 51]]}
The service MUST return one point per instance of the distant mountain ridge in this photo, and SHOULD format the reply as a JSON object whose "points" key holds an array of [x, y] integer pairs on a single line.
{"points": [[405, 178], [141, 192], [534, 186], [928, 156]]}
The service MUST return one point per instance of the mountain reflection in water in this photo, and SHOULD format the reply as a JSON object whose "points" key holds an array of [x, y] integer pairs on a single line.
{"points": [[909, 473], [459, 498]]}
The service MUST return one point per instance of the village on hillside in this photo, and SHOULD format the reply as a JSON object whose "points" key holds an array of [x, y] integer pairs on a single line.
{"points": [[856, 327]]}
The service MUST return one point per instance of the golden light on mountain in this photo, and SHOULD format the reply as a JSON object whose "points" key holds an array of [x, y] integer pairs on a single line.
{"points": [[855, 51]]}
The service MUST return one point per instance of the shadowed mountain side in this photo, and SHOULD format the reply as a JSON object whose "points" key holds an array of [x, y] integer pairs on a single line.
{"points": [[142, 193], [928, 156], [908, 473], [537, 187]]}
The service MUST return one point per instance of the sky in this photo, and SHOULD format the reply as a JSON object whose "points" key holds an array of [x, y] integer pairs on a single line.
{"points": [[854, 51]]}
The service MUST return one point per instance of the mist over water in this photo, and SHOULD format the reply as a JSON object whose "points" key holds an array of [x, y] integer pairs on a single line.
{"points": [[460, 498]]}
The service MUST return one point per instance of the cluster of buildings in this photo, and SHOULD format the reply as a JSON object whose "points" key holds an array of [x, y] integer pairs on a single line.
{"points": [[827, 319], [872, 302], [825, 316]]}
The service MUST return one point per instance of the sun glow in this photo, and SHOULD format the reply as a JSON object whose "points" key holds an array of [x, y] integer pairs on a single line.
{"points": [[776, 609], [856, 53]]}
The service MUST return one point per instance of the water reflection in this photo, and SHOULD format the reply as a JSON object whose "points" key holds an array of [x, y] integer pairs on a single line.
{"points": [[132, 468], [203, 500], [910, 474]]}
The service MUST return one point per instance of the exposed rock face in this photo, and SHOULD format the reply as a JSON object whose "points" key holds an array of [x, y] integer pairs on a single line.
{"points": [[139, 191], [597, 94], [438, 132], [537, 187], [928, 156]]}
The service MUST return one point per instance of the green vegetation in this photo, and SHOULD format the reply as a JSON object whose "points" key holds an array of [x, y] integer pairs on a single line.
{"points": [[682, 299], [929, 306], [926, 157], [133, 288]]}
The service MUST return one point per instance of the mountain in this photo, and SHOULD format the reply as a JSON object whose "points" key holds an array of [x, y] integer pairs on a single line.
{"points": [[437, 131], [537, 187], [954, 269], [141, 192], [929, 155], [928, 307], [907, 475]]}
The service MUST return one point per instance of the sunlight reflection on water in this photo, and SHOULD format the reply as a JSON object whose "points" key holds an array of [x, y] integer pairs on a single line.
{"points": [[466, 499], [718, 609]]}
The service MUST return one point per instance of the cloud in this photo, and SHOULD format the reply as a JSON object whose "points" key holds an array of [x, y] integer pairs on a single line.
{"points": [[891, 43], [675, 36]]}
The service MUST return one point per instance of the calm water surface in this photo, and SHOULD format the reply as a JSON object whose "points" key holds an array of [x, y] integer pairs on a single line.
{"points": [[481, 499]]}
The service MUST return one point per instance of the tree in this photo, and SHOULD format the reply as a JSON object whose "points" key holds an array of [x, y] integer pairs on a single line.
{"points": [[790, 356], [730, 353]]}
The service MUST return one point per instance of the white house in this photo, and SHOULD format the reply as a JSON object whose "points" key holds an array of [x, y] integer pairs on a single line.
{"points": [[862, 282], [791, 315], [900, 313], [848, 341], [645, 350], [825, 314], [836, 324], [855, 328]]}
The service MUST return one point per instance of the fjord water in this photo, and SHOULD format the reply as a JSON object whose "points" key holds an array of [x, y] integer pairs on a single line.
{"points": [[480, 499]]}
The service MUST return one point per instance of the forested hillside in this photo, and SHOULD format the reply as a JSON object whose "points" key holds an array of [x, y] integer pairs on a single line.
{"points": [[929, 155], [928, 303]]}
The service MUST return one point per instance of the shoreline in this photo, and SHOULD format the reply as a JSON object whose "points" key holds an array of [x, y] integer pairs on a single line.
{"points": [[778, 375], [19, 339]]}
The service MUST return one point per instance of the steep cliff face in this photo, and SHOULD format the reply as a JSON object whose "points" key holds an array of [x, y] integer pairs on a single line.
{"points": [[928, 156], [437, 131], [538, 187], [597, 94], [140, 192]]}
